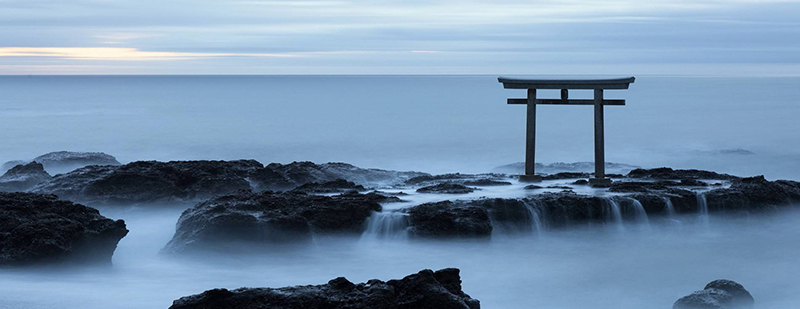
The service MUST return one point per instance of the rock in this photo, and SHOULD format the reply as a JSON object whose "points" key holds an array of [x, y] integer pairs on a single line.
{"points": [[334, 186], [424, 290], [375, 196], [753, 193], [566, 175], [281, 177], [668, 173], [581, 182], [41, 229], [449, 219], [532, 187], [486, 182], [261, 219], [23, 177], [151, 181], [446, 187], [718, 294], [559, 167], [65, 161]]}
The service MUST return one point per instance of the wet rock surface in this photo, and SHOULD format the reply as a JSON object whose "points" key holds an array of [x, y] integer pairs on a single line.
{"points": [[259, 219], [426, 289], [668, 173], [41, 229], [718, 294], [23, 177], [194, 181], [449, 219], [151, 181], [559, 167], [64, 161], [447, 188], [334, 186]]}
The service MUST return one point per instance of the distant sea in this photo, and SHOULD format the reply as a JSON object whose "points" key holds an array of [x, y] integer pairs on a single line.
{"points": [[437, 124]]}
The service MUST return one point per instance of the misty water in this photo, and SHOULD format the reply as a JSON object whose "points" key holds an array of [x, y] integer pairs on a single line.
{"points": [[436, 124]]}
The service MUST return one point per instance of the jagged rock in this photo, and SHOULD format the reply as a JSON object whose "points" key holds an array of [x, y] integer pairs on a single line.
{"points": [[334, 186], [447, 188], [23, 177], [668, 173], [151, 181], [753, 193], [260, 219], [449, 219], [566, 175], [282, 177], [424, 290], [375, 196], [486, 182], [718, 294], [39, 229], [64, 161]]}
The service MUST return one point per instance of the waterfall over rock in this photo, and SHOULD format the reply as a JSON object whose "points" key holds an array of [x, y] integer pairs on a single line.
{"points": [[388, 224]]}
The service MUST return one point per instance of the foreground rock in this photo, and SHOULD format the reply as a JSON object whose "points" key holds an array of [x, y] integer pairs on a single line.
{"points": [[65, 161], [256, 220], [38, 229], [424, 290], [718, 294], [23, 177], [194, 181]]}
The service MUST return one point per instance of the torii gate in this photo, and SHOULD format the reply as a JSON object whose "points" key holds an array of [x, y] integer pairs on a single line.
{"points": [[598, 85]]}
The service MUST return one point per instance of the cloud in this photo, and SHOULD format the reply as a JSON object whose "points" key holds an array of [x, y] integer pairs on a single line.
{"points": [[133, 54]]}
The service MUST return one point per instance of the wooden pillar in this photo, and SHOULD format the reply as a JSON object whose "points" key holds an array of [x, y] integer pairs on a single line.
{"points": [[599, 179], [530, 140]]}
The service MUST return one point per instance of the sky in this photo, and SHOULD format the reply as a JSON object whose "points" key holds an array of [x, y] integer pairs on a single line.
{"points": [[630, 37]]}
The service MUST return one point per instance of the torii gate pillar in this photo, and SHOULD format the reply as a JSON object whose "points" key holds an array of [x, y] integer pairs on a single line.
{"points": [[598, 85]]}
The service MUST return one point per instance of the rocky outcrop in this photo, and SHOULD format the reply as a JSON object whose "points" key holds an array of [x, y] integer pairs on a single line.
{"points": [[64, 161], [446, 188], [151, 181], [560, 167], [262, 219], [718, 294], [334, 186], [283, 177], [449, 219], [40, 229], [424, 290], [23, 177], [486, 182], [668, 173]]}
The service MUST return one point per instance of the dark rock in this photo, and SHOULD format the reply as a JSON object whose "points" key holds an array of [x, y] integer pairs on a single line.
{"points": [[260, 219], [375, 196], [282, 177], [446, 187], [423, 290], [151, 181], [486, 182], [64, 161], [668, 173], [39, 229], [436, 178], [449, 219], [532, 187], [334, 186], [558, 167], [566, 176], [718, 294], [23, 177], [581, 182], [753, 193], [560, 187]]}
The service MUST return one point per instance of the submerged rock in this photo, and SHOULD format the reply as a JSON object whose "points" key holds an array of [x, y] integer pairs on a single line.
{"points": [[151, 181], [668, 173], [446, 187], [64, 161], [23, 177], [718, 294], [334, 186], [486, 182], [260, 219], [424, 290], [39, 229]]}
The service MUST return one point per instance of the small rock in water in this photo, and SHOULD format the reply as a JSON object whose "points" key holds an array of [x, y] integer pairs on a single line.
{"points": [[41, 229], [446, 187], [718, 294], [424, 290], [23, 177], [334, 186], [532, 187], [486, 182]]}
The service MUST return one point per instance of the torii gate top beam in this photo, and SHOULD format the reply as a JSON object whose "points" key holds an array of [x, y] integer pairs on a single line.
{"points": [[614, 83]]}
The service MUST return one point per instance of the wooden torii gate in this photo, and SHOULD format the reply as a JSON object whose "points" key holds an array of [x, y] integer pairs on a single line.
{"points": [[598, 85]]}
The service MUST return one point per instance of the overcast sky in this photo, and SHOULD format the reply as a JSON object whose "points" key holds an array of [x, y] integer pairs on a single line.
{"points": [[703, 37]]}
